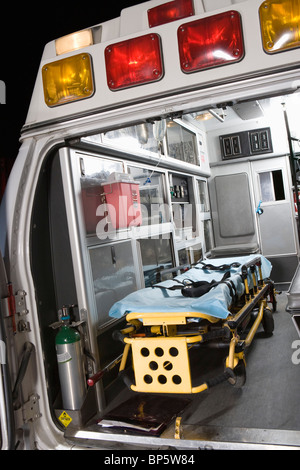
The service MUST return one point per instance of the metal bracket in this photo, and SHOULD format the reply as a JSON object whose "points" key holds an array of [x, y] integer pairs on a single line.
{"points": [[21, 309], [20, 299], [30, 409], [16, 304]]}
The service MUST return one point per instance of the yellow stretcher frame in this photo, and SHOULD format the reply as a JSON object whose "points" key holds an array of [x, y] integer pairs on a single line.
{"points": [[161, 361]]}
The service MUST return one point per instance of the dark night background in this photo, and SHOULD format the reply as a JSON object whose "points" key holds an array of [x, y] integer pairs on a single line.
{"points": [[25, 29]]}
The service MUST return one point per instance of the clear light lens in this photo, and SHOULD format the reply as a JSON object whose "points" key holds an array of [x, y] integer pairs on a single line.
{"points": [[134, 62], [68, 80], [211, 42], [279, 21], [74, 41]]}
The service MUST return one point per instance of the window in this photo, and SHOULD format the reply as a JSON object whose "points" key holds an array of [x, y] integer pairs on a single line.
{"points": [[154, 206], [95, 172], [181, 143], [190, 255], [183, 206], [205, 215], [203, 193], [134, 138], [156, 256], [113, 274], [271, 186], [208, 237], [156, 250]]}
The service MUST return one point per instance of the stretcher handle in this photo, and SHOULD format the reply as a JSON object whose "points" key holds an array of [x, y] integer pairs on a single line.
{"points": [[91, 381], [254, 262]]}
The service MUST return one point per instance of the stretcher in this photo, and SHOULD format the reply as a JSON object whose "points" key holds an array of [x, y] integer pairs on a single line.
{"points": [[165, 322]]}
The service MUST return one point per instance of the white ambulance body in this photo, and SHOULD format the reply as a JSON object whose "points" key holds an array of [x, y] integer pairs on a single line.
{"points": [[197, 113]]}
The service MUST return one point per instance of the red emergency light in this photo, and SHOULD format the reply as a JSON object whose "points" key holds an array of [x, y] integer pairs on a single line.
{"points": [[171, 11], [134, 62], [211, 42]]}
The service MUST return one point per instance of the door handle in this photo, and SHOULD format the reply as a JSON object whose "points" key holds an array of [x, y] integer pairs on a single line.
{"points": [[259, 210]]}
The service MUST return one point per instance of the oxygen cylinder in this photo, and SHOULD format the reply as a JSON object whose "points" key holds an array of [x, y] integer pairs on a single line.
{"points": [[70, 365]]}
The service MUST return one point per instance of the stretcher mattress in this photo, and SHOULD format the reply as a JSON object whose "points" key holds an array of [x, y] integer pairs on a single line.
{"points": [[214, 303]]}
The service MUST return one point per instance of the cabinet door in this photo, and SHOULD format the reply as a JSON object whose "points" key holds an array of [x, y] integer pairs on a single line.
{"points": [[232, 205], [114, 275]]}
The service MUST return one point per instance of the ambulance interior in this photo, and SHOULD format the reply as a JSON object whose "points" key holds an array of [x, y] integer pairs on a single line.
{"points": [[211, 183]]}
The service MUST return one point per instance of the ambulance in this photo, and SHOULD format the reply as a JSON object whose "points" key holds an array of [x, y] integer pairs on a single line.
{"points": [[154, 141]]}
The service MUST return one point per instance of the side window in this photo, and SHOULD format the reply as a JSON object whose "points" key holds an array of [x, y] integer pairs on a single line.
{"points": [[271, 186]]}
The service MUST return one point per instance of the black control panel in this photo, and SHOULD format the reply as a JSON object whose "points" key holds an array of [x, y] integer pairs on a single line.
{"points": [[246, 143]]}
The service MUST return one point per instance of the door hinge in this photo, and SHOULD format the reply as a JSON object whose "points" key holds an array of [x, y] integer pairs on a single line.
{"points": [[15, 304], [21, 310], [31, 409]]}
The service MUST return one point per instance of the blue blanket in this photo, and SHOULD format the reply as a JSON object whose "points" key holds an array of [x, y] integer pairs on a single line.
{"points": [[214, 303]]}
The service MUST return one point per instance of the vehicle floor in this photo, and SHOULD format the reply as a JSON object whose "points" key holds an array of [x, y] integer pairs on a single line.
{"points": [[265, 411], [270, 397]]}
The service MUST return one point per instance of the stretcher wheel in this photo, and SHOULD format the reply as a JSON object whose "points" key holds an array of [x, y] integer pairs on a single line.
{"points": [[239, 375], [268, 322]]}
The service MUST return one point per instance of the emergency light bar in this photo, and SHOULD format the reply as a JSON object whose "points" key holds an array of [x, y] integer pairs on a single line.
{"points": [[210, 42], [280, 25], [171, 11], [68, 80], [134, 62], [204, 43]]}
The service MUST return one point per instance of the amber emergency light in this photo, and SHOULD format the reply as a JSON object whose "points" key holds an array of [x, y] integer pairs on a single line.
{"points": [[68, 80], [279, 23]]}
